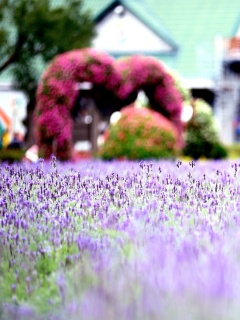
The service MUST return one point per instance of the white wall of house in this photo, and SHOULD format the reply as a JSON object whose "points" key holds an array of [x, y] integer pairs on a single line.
{"points": [[238, 32], [125, 33]]}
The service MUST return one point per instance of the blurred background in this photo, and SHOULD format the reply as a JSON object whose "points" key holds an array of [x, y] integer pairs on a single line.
{"points": [[199, 40]]}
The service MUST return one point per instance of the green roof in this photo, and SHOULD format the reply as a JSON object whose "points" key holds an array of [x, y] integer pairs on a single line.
{"points": [[193, 26]]}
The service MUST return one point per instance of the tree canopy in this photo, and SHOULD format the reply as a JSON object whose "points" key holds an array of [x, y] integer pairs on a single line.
{"points": [[32, 32]]}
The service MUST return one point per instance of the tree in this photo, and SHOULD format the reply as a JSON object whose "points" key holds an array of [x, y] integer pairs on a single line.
{"points": [[32, 32]]}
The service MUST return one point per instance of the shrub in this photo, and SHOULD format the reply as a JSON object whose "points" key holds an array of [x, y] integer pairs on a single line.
{"points": [[218, 151], [11, 155], [140, 133], [234, 151], [201, 136]]}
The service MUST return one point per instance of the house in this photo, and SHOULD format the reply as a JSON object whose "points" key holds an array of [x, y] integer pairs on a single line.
{"points": [[199, 39], [194, 38], [227, 89]]}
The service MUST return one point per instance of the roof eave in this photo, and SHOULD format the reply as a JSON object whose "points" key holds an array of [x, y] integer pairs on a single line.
{"points": [[145, 53]]}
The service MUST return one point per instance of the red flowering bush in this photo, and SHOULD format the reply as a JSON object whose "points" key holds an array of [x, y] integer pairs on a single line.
{"points": [[140, 133], [57, 93]]}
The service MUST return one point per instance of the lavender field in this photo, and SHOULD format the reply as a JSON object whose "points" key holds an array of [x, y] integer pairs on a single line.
{"points": [[120, 240]]}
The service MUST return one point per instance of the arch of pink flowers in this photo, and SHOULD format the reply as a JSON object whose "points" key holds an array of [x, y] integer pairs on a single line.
{"points": [[57, 92]]}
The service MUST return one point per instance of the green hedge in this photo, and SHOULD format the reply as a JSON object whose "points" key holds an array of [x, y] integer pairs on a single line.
{"points": [[11, 155]]}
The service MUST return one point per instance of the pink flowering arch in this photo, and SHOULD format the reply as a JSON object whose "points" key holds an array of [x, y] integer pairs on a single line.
{"points": [[57, 92], [150, 75]]}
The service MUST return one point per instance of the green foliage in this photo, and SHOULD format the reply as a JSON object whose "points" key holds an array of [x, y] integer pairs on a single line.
{"points": [[32, 32], [11, 155], [218, 151], [140, 134], [201, 136], [33, 280], [185, 93], [234, 151]]}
